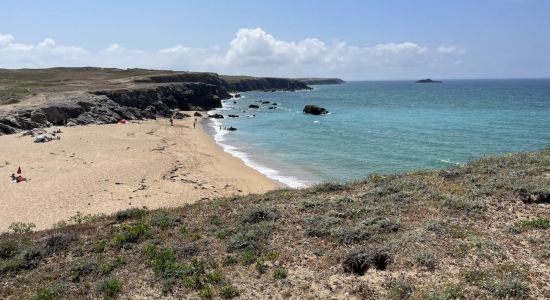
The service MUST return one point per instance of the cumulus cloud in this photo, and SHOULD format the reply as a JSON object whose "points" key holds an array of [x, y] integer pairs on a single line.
{"points": [[5, 38], [251, 51], [450, 49]]}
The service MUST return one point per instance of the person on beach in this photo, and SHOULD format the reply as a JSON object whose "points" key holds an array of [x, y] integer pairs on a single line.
{"points": [[171, 121]]}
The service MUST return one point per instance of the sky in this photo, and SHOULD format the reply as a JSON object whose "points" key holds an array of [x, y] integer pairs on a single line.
{"points": [[353, 40]]}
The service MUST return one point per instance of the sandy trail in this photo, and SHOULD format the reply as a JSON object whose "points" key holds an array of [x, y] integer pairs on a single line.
{"points": [[105, 168]]}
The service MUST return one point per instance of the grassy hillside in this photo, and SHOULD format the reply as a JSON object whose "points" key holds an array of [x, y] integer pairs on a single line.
{"points": [[481, 230], [15, 85]]}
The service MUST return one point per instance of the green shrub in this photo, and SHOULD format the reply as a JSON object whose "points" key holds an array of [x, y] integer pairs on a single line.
{"points": [[261, 267], [280, 273], [328, 187], [426, 259], [163, 261], [539, 223], [381, 224], [309, 205], [223, 233], [228, 292], [321, 226], [110, 287], [46, 294], [399, 288], [193, 282], [259, 214], [79, 218], [448, 292], [20, 227], [462, 203], [206, 293], [230, 260], [8, 249], [132, 234], [249, 238], [164, 220], [248, 257], [434, 226], [509, 288], [349, 235], [502, 281], [59, 242], [131, 213], [81, 269], [214, 220], [25, 259], [108, 267], [214, 277]]}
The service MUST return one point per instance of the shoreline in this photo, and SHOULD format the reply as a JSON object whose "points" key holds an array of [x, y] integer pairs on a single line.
{"points": [[272, 173], [101, 169]]}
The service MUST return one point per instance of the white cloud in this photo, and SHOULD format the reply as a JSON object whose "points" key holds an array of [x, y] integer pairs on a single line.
{"points": [[251, 51], [450, 49], [47, 42], [6, 38], [176, 49]]}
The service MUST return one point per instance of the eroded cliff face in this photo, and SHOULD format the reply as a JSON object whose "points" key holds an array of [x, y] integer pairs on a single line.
{"points": [[265, 84], [138, 98], [104, 107]]}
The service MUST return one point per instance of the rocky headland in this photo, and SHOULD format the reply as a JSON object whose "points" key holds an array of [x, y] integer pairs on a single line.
{"points": [[77, 99], [318, 81]]}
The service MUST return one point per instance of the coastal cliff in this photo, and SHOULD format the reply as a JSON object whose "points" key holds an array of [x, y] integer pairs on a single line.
{"points": [[245, 84], [109, 106], [71, 102], [314, 81]]}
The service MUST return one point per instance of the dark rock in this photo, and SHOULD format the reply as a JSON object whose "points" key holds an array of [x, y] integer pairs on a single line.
{"points": [[232, 128], [197, 114], [39, 117], [234, 102], [427, 80], [216, 116], [315, 110], [253, 106], [274, 103], [232, 116], [237, 96], [179, 115], [265, 102], [272, 107]]}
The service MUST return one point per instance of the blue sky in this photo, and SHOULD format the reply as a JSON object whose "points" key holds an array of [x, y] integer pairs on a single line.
{"points": [[348, 39]]}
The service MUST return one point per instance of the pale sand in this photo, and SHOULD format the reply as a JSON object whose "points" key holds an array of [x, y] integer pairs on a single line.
{"points": [[101, 169]]}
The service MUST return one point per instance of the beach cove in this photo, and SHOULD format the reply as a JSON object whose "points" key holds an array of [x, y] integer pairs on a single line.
{"points": [[101, 169]]}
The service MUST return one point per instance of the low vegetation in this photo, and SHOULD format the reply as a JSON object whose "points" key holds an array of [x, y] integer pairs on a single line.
{"points": [[477, 231]]}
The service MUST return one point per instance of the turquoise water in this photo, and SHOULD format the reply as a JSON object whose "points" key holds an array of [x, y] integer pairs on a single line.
{"points": [[385, 126]]}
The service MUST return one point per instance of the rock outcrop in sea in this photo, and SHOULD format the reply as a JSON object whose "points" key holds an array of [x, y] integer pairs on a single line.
{"points": [[315, 110]]}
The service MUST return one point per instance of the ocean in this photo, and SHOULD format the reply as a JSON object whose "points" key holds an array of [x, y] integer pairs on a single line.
{"points": [[383, 127]]}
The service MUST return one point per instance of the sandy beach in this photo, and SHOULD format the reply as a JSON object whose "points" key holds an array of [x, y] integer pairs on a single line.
{"points": [[100, 169]]}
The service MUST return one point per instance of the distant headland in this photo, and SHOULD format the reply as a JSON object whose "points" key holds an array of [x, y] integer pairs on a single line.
{"points": [[314, 81]]}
